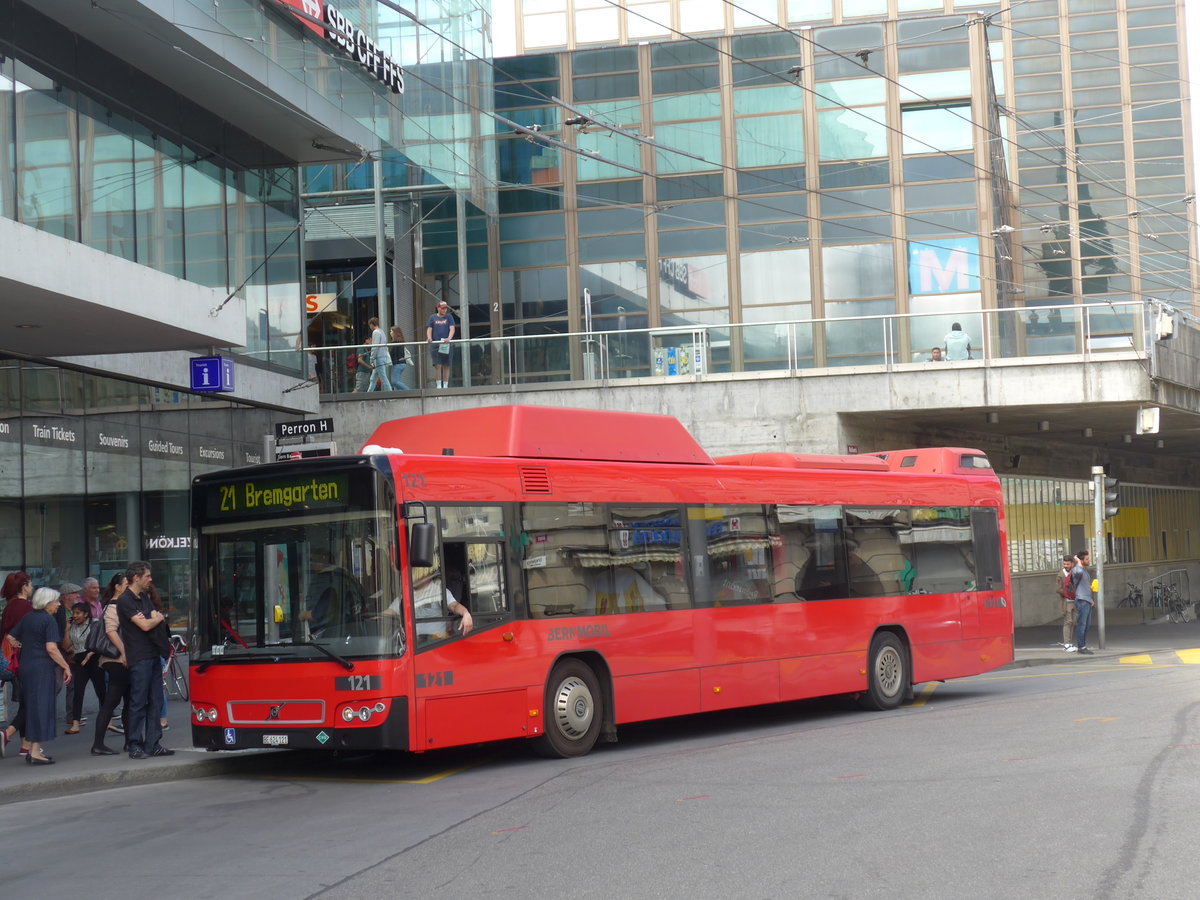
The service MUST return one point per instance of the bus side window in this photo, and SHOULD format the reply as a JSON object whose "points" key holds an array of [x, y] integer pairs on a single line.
{"points": [[877, 556], [485, 579], [819, 552], [943, 553], [645, 549], [738, 553], [988, 558], [565, 545]]}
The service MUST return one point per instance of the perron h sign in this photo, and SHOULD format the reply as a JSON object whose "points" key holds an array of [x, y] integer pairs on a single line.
{"points": [[211, 374]]}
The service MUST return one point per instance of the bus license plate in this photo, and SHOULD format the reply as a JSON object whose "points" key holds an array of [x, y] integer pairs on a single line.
{"points": [[275, 740]]}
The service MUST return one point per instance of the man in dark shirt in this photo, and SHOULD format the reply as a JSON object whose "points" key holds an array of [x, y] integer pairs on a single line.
{"points": [[144, 633]]}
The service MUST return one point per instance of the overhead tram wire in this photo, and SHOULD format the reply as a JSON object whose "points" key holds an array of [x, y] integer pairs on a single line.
{"points": [[897, 84], [299, 14], [716, 49], [1080, 165], [754, 65], [537, 134], [600, 159], [883, 235], [1025, 264], [357, 239], [889, 79], [1028, 264]]}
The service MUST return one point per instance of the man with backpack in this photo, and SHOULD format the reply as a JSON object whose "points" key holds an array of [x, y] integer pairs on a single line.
{"points": [[1066, 598]]}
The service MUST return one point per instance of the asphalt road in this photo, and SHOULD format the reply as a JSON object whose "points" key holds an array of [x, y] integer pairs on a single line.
{"points": [[1064, 781]]}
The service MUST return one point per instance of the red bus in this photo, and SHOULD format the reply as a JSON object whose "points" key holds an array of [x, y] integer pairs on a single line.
{"points": [[613, 572]]}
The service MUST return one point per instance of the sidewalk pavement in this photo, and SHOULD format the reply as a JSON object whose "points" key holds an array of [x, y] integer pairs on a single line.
{"points": [[1125, 634], [77, 771]]}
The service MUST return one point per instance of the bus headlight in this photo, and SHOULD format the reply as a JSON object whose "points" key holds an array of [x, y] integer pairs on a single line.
{"points": [[364, 713], [204, 714]]}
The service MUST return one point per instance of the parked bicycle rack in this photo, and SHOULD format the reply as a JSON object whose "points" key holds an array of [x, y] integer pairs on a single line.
{"points": [[1168, 594]]}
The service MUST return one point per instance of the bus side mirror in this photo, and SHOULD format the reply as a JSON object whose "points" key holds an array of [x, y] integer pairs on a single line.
{"points": [[420, 545]]}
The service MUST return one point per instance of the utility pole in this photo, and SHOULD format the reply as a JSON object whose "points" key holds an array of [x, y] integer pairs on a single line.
{"points": [[1099, 545]]}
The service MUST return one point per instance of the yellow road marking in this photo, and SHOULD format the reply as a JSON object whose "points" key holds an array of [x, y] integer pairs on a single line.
{"points": [[1141, 659], [1189, 657], [1097, 719], [1062, 672], [926, 692]]}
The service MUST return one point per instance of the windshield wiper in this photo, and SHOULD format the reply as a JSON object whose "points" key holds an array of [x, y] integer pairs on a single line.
{"points": [[340, 660]]}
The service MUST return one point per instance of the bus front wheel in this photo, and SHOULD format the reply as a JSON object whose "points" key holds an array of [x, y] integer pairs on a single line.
{"points": [[573, 711], [887, 673]]}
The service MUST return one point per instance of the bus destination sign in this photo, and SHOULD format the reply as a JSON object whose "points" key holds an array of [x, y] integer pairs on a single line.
{"points": [[246, 497]]}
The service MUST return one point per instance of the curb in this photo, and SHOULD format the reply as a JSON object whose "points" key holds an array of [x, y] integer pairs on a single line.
{"points": [[153, 774], [1069, 658]]}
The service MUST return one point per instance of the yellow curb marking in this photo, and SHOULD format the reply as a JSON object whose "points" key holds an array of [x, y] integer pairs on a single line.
{"points": [[1189, 657], [1141, 659], [926, 692]]}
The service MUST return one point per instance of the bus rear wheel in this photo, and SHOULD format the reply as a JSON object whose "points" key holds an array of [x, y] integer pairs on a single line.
{"points": [[887, 673], [573, 711]]}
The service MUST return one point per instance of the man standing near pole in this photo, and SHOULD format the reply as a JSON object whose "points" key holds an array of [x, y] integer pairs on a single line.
{"points": [[1084, 600]]}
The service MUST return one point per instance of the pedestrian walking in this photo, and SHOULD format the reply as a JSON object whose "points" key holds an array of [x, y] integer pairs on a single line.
{"points": [[381, 360], [36, 637]]}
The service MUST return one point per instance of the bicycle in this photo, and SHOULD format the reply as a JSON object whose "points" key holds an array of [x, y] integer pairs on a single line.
{"points": [[1175, 605], [1133, 598], [1157, 595], [174, 674]]}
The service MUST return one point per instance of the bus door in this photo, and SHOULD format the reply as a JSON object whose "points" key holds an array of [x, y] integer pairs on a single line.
{"points": [[467, 686]]}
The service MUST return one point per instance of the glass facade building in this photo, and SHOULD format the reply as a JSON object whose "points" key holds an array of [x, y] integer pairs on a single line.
{"points": [[146, 176], [751, 164], [95, 472], [134, 142]]}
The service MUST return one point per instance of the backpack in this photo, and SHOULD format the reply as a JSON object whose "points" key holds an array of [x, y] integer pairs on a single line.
{"points": [[1067, 588]]}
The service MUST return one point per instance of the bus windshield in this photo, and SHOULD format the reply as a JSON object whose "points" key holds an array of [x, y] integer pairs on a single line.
{"points": [[324, 579]]}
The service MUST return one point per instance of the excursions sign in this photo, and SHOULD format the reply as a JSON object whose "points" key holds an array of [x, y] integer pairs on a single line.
{"points": [[351, 39]]}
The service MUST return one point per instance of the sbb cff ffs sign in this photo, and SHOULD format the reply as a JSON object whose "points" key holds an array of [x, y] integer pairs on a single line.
{"points": [[351, 39]]}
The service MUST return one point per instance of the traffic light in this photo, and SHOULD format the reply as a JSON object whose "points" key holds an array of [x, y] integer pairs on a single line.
{"points": [[1112, 497]]}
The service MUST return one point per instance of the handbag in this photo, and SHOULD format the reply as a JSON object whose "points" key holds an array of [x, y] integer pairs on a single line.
{"points": [[98, 641], [444, 349]]}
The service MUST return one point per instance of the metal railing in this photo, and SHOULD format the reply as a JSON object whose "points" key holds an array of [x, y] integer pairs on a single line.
{"points": [[899, 341]]}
